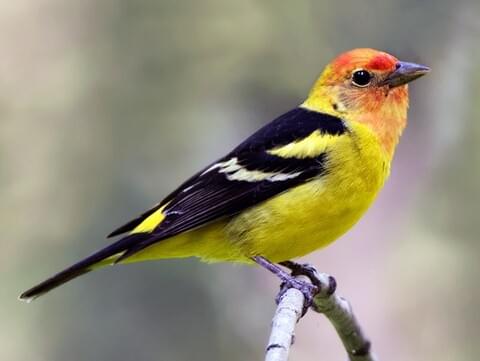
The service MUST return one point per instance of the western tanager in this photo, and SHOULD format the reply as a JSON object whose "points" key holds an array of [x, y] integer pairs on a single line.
{"points": [[294, 186]]}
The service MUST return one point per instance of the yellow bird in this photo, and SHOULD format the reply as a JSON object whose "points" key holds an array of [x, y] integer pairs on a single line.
{"points": [[294, 186]]}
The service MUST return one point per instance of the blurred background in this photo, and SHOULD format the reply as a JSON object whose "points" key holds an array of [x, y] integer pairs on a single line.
{"points": [[105, 106]]}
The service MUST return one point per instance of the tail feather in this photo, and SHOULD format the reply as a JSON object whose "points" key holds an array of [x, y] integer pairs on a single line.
{"points": [[84, 266]]}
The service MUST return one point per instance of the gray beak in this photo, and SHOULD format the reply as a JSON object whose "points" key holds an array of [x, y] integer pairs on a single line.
{"points": [[405, 73]]}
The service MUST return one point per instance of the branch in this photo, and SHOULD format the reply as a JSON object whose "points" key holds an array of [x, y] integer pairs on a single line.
{"points": [[335, 308], [340, 314], [289, 311]]}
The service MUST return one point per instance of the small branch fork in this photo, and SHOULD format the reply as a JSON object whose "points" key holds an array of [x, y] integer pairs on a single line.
{"points": [[292, 304]]}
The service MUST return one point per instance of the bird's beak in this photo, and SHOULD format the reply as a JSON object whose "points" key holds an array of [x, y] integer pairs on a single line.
{"points": [[405, 73]]}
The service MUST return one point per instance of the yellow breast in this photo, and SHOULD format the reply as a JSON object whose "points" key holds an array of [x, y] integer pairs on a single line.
{"points": [[315, 214], [298, 221]]}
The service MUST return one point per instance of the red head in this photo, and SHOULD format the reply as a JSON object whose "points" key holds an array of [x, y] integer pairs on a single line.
{"points": [[367, 86]]}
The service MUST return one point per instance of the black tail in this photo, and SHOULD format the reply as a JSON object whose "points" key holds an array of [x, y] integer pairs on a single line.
{"points": [[83, 266]]}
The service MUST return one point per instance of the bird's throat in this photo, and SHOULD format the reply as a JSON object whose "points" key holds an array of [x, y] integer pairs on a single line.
{"points": [[384, 113], [388, 120]]}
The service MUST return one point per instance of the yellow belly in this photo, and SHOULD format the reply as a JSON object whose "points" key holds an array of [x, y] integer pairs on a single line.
{"points": [[296, 222]]}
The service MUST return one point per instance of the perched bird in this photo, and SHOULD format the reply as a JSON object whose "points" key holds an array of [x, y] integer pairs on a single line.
{"points": [[294, 186]]}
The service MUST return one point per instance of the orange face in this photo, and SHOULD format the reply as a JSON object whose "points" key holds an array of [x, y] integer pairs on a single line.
{"points": [[368, 79], [367, 86], [376, 62]]}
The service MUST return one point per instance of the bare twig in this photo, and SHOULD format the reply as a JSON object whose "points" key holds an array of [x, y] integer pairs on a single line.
{"points": [[289, 311], [340, 314], [334, 307]]}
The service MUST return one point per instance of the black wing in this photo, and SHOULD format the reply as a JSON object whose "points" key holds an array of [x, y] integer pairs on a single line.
{"points": [[244, 178]]}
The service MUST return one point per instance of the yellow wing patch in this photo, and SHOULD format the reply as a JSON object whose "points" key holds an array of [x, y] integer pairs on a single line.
{"points": [[151, 222], [309, 147]]}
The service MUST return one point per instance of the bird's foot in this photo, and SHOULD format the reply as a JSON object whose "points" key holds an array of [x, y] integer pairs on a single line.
{"points": [[308, 289], [305, 269]]}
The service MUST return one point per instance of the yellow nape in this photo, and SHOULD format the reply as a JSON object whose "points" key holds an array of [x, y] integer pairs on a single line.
{"points": [[309, 147], [151, 222]]}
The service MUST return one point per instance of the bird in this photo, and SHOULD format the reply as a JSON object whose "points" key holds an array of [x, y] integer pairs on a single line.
{"points": [[294, 186]]}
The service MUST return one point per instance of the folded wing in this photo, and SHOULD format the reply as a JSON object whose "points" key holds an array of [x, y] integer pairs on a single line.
{"points": [[287, 152]]}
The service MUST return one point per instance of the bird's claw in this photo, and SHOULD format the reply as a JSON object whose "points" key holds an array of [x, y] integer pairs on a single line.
{"points": [[308, 290], [305, 269]]}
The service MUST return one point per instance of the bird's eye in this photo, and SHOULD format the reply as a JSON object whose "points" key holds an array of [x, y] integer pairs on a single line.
{"points": [[361, 78]]}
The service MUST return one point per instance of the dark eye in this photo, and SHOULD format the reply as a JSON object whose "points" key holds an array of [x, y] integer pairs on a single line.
{"points": [[361, 78]]}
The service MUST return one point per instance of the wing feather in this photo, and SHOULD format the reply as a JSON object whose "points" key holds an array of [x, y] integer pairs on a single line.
{"points": [[250, 174]]}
